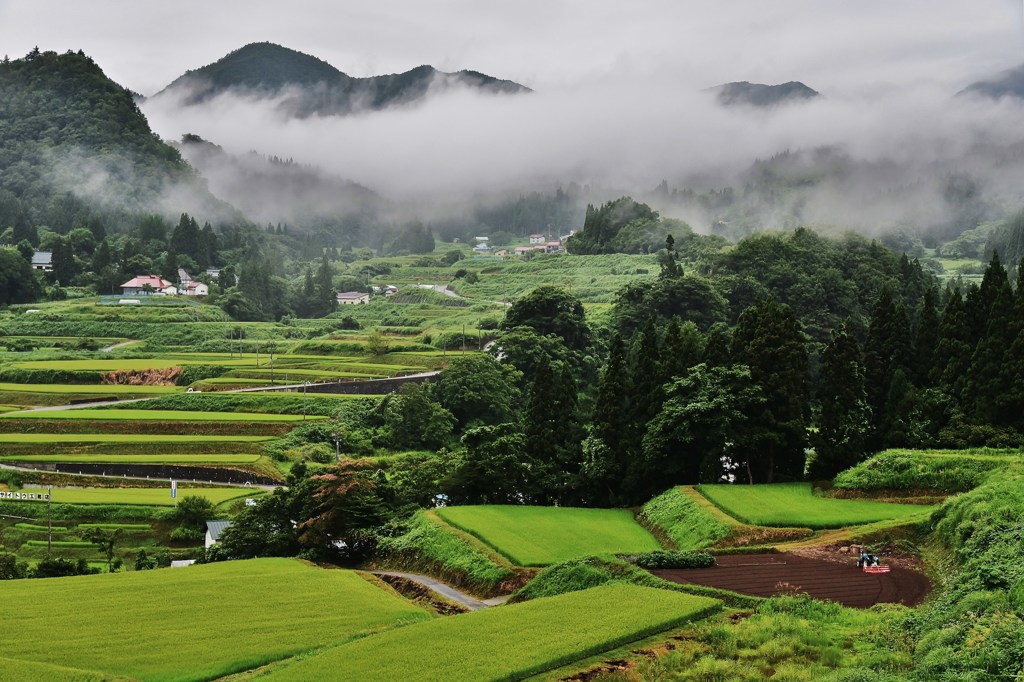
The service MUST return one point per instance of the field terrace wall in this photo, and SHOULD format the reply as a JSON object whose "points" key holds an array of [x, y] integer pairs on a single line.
{"points": [[199, 474], [366, 387]]}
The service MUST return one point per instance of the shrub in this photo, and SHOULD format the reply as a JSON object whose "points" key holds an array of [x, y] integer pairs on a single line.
{"points": [[671, 559], [190, 374]]}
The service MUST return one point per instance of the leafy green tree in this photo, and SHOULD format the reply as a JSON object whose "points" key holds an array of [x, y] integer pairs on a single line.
{"points": [[17, 282], [477, 389], [551, 310], [415, 420], [106, 541], [64, 266], [194, 511], [493, 467], [704, 426]]}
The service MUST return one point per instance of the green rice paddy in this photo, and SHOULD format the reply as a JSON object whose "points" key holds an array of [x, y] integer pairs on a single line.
{"points": [[539, 536], [794, 505], [507, 642], [195, 623]]}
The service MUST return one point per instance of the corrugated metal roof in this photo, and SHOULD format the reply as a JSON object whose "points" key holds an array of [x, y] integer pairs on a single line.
{"points": [[215, 528]]}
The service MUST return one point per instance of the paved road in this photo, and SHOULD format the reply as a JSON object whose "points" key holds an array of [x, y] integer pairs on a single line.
{"points": [[447, 591], [451, 294]]}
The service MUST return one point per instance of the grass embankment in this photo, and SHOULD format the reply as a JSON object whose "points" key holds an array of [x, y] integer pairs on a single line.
{"points": [[691, 521], [794, 504], [119, 414], [548, 633], [790, 638], [427, 547], [540, 536], [942, 471], [299, 608], [323, 404]]}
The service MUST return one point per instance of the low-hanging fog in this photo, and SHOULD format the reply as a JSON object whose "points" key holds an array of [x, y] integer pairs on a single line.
{"points": [[896, 147]]}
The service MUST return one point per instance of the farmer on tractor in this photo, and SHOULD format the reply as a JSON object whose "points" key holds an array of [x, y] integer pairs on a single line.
{"points": [[866, 559]]}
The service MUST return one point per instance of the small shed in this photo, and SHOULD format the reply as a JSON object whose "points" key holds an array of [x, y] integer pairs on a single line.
{"points": [[352, 298], [214, 529]]}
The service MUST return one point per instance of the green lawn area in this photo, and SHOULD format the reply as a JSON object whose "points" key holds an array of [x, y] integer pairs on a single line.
{"points": [[104, 389], [118, 414], [124, 438], [794, 505], [137, 459], [145, 496], [539, 536], [195, 623], [508, 642]]}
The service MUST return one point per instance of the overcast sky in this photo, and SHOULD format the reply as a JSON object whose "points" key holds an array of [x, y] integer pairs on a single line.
{"points": [[832, 45]]}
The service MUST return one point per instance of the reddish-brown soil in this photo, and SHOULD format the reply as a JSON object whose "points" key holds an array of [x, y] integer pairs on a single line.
{"points": [[764, 575]]}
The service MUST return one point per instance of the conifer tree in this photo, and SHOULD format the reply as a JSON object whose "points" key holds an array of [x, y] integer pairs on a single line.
{"points": [[844, 424]]}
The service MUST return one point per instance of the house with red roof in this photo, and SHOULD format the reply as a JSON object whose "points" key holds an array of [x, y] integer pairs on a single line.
{"points": [[143, 285]]}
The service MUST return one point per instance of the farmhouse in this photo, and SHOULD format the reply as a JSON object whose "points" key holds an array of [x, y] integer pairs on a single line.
{"points": [[352, 298], [142, 285], [537, 239], [42, 260], [183, 277], [194, 288], [482, 247], [553, 247], [214, 530], [522, 250]]}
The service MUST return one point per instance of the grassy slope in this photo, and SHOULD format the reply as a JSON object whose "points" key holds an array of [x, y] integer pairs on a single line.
{"points": [[793, 504], [510, 642], [539, 536], [124, 438], [194, 623], [685, 521], [913, 470]]}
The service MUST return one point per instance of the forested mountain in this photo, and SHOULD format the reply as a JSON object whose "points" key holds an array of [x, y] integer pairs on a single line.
{"points": [[762, 95], [1009, 83], [309, 86], [275, 190], [74, 148]]}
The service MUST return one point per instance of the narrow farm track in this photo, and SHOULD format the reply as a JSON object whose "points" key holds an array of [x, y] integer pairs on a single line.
{"points": [[223, 484], [764, 575], [446, 591]]}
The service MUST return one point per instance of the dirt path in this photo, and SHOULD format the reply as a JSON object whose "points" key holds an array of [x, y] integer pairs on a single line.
{"points": [[447, 591], [110, 349], [764, 575]]}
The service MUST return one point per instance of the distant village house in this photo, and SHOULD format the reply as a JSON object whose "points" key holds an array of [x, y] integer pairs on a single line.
{"points": [[214, 529], [538, 238], [143, 285], [352, 298], [42, 260]]}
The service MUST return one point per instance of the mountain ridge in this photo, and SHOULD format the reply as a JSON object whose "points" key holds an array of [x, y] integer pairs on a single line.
{"points": [[308, 85], [761, 94]]}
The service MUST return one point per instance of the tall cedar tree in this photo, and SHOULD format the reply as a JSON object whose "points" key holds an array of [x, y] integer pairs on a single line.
{"points": [[769, 340], [1013, 363], [954, 348], [988, 385], [604, 458], [553, 434], [926, 339], [886, 352], [326, 298], [844, 423]]}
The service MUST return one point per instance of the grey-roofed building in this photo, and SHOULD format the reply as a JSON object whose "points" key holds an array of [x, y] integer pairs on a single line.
{"points": [[42, 260], [214, 530]]}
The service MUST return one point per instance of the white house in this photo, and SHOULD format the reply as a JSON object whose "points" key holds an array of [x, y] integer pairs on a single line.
{"points": [[538, 238], [482, 248], [352, 298], [183, 277], [194, 288], [42, 260], [522, 250], [141, 285], [214, 530], [553, 247]]}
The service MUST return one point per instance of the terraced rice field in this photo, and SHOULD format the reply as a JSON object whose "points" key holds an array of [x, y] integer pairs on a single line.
{"points": [[507, 642], [539, 536], [159, 497], [794, 505], [146, 625]]}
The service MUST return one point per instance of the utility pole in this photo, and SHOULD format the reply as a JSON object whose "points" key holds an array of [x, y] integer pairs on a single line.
{"points": [[49, 520]]}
